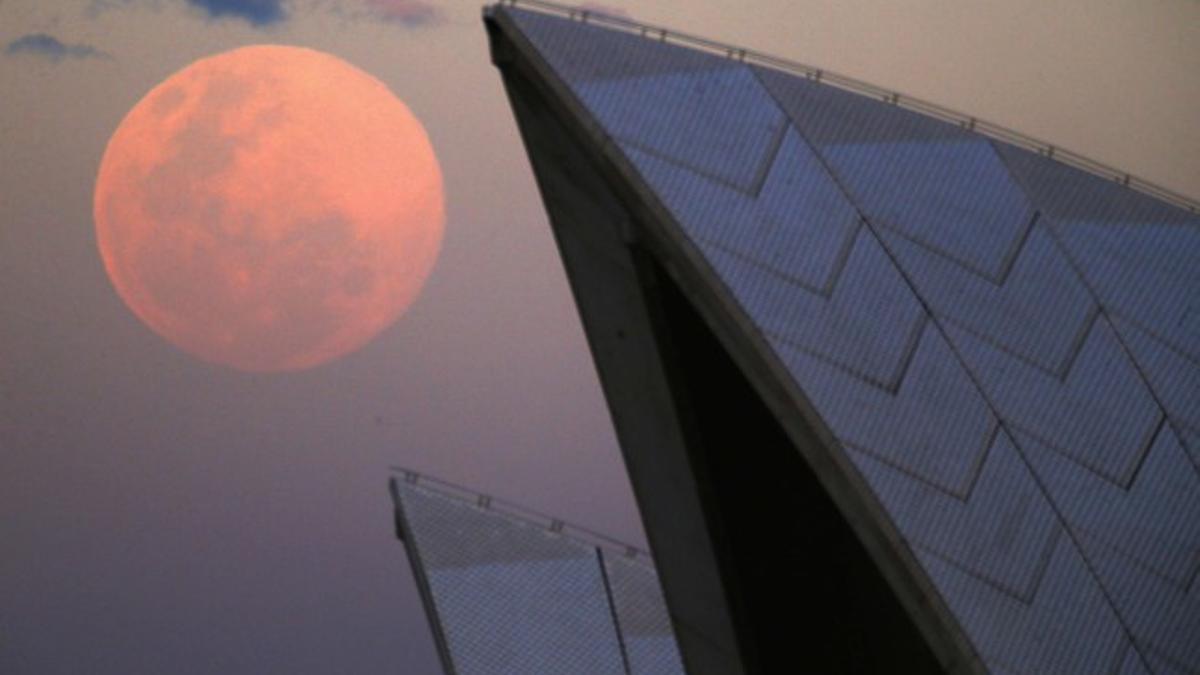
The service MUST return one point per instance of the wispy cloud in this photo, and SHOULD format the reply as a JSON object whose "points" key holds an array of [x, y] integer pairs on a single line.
{"points": [[256, 12], [268, 13], [412, 13], [49, 47]]}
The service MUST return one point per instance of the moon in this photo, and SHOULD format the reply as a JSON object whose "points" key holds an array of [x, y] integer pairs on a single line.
{"points": [[270, 208]]}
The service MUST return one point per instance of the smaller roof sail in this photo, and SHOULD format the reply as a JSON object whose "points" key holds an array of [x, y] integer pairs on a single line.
{"points": [[507, 591]]}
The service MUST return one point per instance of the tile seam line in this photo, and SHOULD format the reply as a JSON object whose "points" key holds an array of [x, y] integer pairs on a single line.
{"points": [[768, 268], [963, 497], [1009, 261], [1150, 569], [682, 165], [1118, 482], [888, 387], [763, 175], [1063, 522], [612, 609], [998, 281], [1026, 596], [1080, 339], [1163, 342], [1011, 352]]}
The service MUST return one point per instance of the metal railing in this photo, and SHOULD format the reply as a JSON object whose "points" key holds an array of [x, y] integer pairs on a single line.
{"points": [[515, 511], [967, 122]]}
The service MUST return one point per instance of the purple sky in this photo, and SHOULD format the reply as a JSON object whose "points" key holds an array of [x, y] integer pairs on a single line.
{"points": [[161, 514]]}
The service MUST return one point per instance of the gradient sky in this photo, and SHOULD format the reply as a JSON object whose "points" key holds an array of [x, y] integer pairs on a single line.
{"points": [[161, 514]]}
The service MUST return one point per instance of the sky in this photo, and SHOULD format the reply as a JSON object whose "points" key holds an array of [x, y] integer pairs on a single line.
{"points": [[159, 513]]}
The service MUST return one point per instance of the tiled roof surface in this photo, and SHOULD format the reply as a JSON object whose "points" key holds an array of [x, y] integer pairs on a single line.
{"points": [[516, 596], [1005, 347]]}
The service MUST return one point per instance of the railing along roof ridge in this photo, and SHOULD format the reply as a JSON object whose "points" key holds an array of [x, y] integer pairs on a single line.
{"points": [[514, 511], [967, 122]]}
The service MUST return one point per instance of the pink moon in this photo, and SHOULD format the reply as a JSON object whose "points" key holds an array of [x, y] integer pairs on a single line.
{"points": [[269, 208]]}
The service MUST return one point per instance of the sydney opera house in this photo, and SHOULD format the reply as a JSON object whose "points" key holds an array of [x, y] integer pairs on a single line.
{"points": [[897, 391]]}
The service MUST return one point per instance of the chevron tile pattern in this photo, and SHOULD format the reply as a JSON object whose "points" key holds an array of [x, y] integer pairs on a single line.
{"points": [[1067, 627], [923, 178], [1002, 529], [1007, 349], [1148, 522], [1162, 295], [1046, 334], [1172, 374], [935, 427], [1163, 619], [1101, 413], [1137, 254], [776, 228], [731, 146], [841, 329]]}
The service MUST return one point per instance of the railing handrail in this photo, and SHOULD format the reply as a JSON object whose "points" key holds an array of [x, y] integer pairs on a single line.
{"points": [[526, 515], [967, 122]]}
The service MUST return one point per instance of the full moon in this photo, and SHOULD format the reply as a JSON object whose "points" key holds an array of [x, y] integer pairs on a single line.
{"points": [[269, 208]]}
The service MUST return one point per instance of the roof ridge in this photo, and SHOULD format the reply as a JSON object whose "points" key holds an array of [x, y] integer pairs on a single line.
{"points": [[517, 512], [820, 75]]}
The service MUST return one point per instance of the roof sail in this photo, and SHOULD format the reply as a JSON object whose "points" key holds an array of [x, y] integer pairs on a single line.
{"points": [[990, 358]]}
